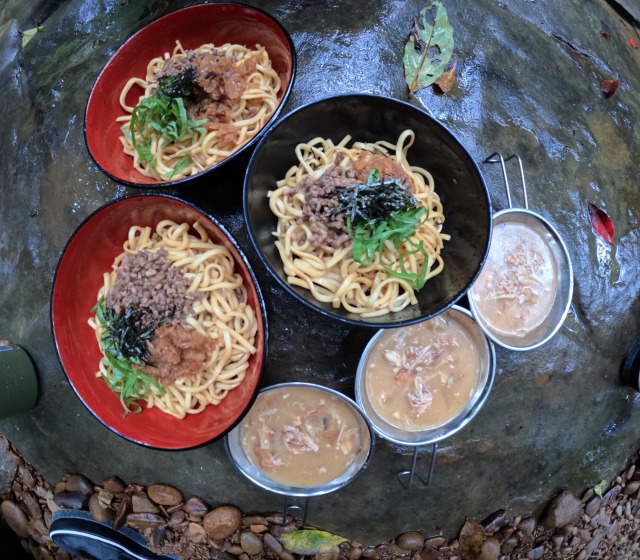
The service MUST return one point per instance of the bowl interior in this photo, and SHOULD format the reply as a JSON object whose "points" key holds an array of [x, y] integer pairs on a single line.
{"points": [[484, 384], [458, 182], [193, 26], [560, 306], [89, 254], [242, 462]]}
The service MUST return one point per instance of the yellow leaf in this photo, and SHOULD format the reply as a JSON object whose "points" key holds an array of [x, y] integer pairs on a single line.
{"points": [[29, 34], [310, 541]]}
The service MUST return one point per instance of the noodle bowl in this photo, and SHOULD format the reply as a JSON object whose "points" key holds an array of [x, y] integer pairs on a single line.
{"points": [[220, 314], [312, 256]]}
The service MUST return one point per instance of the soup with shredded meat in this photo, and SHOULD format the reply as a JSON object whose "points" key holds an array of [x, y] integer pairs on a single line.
{"points": [[301, 436], [515, 291], [421, 376]]}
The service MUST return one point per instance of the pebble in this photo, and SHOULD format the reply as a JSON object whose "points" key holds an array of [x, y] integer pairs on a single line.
{"points": [[141, 503], [98, 511], [114, 485], [249, 520], [411, 541], [592, 506], [32, 504], [252, 543], [563, 509], [196, 533], [164, 494], [15, 518], [72, 500], [527, 525], [631, 487], [144, 520], [430, 553], [196, 507], [354, 553], [79, 483], [272, 544], [223, 522], [509, 545], [490, 549], [435, 542]]}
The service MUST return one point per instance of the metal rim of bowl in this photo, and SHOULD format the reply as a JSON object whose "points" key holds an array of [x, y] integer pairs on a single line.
{"points": [[569, 268], [437, 433], [242, 463]]}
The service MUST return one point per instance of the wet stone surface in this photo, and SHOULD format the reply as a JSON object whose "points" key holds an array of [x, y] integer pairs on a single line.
{"points": [[528, 81]]}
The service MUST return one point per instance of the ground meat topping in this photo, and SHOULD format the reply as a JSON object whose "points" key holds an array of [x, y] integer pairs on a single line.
{"points": [[322, 195], [146, 280], [176, 352], [220, 85]]}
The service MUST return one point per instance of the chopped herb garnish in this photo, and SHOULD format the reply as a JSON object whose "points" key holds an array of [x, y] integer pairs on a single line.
{"points": [[124, 344], [382, 212], [164, 113]]}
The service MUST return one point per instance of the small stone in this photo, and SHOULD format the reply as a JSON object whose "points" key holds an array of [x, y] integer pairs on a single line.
{"points": [[369, 552], [286, 555], [259, 528], [144, 520], [557, 541], [114, 485], [278, 530], [435, 542], [38, 531], [79, 483], [234, 549], [60, 487], [494, 521], [72, 500], [563, 509], [527, 525], [631, 487], [619, 511], [194, 506], [156, 535], [98, 511], [509, 545], [412, 541], [176, 518], [251, 543], [430, 553], [15, 518], [611, 494], [354, 552], [141, 503], [32, 504], [536, 553], [249, 520], [592, 506], [196, 533], [490, 549], [164, 494], [331, 554], [272, 544], [27, 478], [222, 522]]}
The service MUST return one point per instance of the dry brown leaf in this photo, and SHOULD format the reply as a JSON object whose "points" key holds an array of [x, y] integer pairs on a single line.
{"points": [[471, 539], [445, 82]]}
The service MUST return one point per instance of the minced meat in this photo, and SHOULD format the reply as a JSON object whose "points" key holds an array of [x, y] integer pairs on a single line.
{"points": [[322, 195], [219, 86], [146, 280]]}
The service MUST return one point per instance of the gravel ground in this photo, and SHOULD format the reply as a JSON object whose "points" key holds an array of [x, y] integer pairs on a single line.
{"points": [[601, 524]]}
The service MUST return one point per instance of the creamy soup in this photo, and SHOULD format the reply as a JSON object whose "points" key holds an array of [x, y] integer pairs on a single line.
{"points": [[301, 436], [419, 377], [516, 288]]}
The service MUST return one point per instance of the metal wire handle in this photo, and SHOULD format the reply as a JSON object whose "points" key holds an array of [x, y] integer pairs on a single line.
{"points": [[406, 477], [496, 157]]}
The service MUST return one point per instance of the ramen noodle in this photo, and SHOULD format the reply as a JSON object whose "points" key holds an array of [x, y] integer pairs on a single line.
{"points": [[236, 94], [517, 286], [203, 339], [316, 247]]}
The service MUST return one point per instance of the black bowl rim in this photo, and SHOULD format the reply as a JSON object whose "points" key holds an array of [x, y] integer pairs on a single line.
{"points": [[261, 303], [309, 302], [250, 144]]}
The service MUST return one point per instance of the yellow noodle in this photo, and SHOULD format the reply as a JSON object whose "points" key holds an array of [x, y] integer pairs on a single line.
{"points": [[261, 97], [331, 274], [223, 314]]}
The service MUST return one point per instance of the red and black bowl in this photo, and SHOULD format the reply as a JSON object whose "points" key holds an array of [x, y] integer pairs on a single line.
{"points": [[89, 253], [193, 26]]}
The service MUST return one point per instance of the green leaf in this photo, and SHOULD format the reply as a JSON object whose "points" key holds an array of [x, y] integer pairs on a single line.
{"points": [[600, 487], [29, 34], [429, 48], [310, 541]]}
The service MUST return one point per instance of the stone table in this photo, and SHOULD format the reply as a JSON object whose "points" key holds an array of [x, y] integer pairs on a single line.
{"points": [[528, 81]]}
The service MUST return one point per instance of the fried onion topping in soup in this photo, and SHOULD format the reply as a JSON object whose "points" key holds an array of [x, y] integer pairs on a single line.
{"points": [[517, 286], [421, 376], [301, 436]]}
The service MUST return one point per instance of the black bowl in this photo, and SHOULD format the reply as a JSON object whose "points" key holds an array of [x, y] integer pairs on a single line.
{"points": [[369, 118]]}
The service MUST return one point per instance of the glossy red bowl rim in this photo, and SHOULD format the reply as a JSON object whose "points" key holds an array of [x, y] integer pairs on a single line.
{"points": [[129, 44], [75, 380]]}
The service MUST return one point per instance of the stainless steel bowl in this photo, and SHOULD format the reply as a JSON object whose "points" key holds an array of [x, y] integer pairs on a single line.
{"points": [[436, 433], [246, 467], [564, 290]]}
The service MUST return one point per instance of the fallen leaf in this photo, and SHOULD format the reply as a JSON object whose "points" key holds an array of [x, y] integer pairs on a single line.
{"points": [[609, 87], [601, 223], [447, 79], [429, 48], [29, 34], [606, 35], [471, 539], [310, 541], [598, 488], [633, 43]]}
